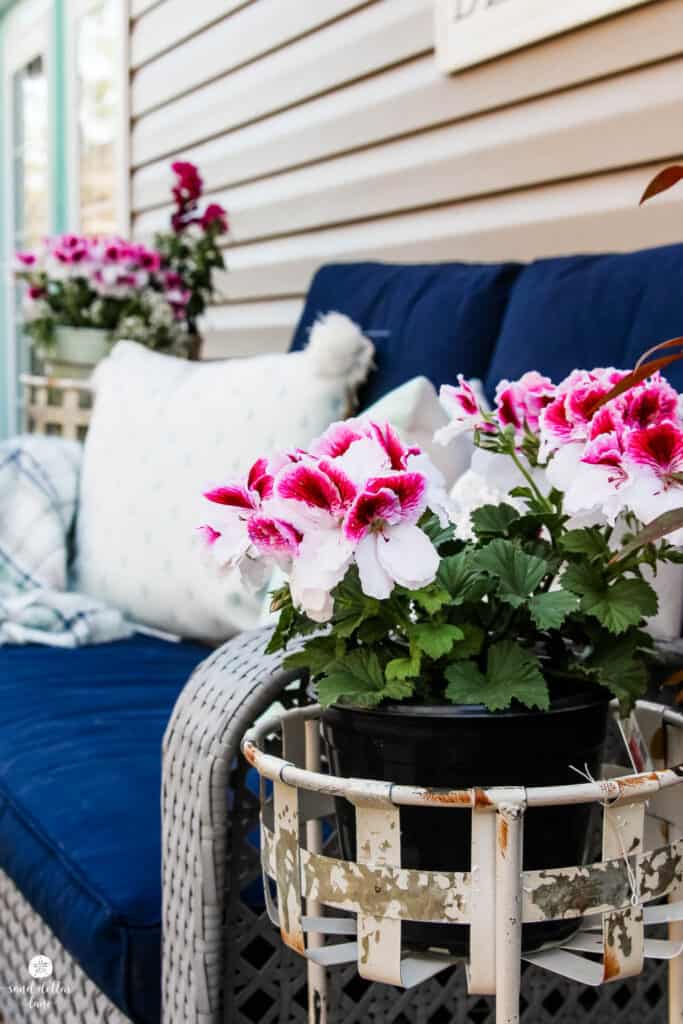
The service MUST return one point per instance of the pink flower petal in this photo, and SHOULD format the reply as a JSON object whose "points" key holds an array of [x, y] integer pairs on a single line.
{"points": [[208, 534], [307, 484], [260, 480], [370, 509], [658, 448], [336, 440], [236, 495], [273, 535], [396, 451], [410, 490]]}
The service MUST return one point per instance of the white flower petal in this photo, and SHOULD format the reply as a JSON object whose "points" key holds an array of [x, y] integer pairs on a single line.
{"points": [[375, 581], [322, 560], [364, 459], [408, 556]]}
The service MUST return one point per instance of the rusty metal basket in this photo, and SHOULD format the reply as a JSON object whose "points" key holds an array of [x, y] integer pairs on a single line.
{"points": [[613, 900]]}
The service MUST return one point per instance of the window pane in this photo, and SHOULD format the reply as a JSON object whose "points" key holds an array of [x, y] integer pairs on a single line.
{"points": [[97, 117], [30, 143]]}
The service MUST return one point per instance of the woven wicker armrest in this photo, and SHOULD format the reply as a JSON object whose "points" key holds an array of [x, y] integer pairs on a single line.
{"points": [[223, 697]]}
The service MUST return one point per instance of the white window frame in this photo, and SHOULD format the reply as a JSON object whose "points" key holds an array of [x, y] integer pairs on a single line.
{"points": [[26, 34]]}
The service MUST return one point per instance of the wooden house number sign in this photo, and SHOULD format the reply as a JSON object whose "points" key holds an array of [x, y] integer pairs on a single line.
{"points": [[469, 32]]}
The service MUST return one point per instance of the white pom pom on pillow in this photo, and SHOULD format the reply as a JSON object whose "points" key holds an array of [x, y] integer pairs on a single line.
{"points": [[338, 348]]}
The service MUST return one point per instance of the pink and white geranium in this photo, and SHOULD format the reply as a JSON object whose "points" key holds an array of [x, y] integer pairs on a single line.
{"points": [[150, 294], [607, 458], [355, 497]]}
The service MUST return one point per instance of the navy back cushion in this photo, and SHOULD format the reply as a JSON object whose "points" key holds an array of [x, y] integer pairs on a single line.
{"points": [[434, 320], [586, 311]]}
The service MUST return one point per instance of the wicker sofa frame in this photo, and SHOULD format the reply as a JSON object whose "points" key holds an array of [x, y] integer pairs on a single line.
{"points": [[223, 962]]}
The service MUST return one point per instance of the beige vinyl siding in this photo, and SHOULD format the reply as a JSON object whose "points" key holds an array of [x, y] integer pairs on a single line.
{"points": [[329, 134]]}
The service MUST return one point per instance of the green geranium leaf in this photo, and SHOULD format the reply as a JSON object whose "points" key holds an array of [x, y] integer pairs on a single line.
{"points": [[622, 605], [471, 644], [583, 579], [351, 606], [437, 533], [516, 572], [432, 598], [399, 669], [550, 610], [617, 606], [493, 520], [372, 631], [399, 689], [512, 673], [617, 664], [435, 639], [466, 684], [588, 541], [461, 580], [317, 654], [357, 679]]}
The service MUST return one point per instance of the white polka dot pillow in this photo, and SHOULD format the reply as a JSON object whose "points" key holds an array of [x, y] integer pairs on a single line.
{"points": [[162, 431]]}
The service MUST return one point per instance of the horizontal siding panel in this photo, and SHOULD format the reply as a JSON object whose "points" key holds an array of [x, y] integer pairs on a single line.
{"points": [[242, 37], [415, 96], [138, 7], [374, 38], [249, 329], [597, 214], [624, 120], [173, 21]]}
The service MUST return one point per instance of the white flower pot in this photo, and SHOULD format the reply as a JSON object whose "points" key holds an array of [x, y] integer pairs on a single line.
{"points": [[83, 346]]}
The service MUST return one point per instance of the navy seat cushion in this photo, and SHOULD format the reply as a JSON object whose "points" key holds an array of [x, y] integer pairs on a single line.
{"points": [[80, 784], [586, 311], [433, 320]]}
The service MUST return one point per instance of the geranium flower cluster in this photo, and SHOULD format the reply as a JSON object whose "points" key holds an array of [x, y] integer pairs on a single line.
{"points": [[107, 283], [191, 249], [186, 193], [151, 294], [111, 267], [607, 457], [355, 497]]}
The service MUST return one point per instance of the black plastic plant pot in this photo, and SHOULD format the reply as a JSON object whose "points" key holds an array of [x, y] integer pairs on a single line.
{"points": [[457, 747]]}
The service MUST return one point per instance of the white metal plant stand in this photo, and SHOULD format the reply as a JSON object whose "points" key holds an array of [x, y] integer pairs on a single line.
{"points": [[613, 900]]}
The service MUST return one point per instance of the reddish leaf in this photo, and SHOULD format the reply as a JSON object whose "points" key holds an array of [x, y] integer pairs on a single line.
{"points": [[673, 343], [654, 531], [675, 678], [666, 179], [642, 371]]}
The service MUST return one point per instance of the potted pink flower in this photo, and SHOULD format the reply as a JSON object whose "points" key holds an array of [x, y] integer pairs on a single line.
{"points": [[84, 293], [191, 250], [456, 654]]}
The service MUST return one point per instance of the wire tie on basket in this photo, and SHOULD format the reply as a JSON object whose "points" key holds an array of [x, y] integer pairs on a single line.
{"points": [[631, 874]]}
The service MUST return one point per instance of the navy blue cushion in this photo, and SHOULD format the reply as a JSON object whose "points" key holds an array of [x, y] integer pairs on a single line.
{"points": [[585, 311], [80, 783], [434, 320]]}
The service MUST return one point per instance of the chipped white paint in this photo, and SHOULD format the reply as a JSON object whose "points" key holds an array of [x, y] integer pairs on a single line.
{"points": [[378, 843], [496, 896], [316, 973], [509, 831], [674, 755], [481, 972], [287, 868], [622, 930]]}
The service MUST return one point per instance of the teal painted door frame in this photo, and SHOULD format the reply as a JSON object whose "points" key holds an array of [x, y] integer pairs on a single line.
{"points": [[58, 163]]}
